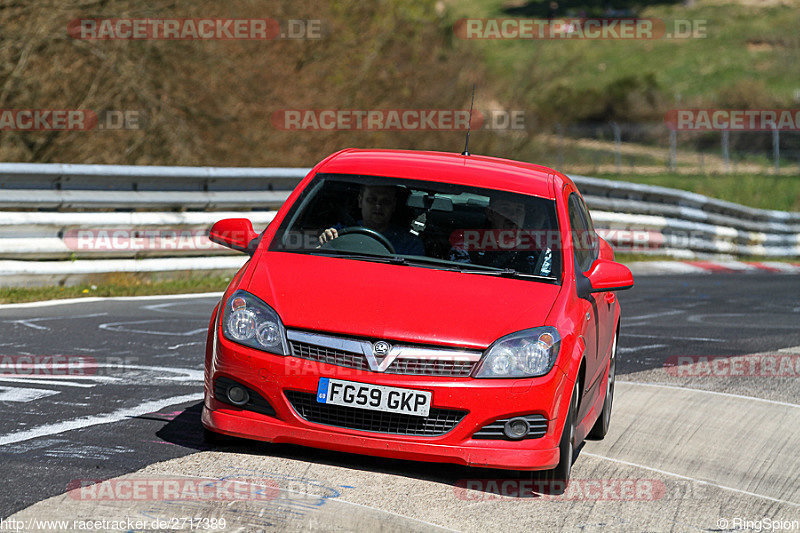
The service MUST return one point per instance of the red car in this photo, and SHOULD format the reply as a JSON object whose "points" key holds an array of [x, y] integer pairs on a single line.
{"points": [[420, 305]]}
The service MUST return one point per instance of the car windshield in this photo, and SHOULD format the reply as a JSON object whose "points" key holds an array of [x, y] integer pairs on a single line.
{"points": [[424, 224]]}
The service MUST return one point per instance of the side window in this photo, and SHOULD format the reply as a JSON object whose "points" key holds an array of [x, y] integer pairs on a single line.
{"points": [[581, 244], [591, 236]]}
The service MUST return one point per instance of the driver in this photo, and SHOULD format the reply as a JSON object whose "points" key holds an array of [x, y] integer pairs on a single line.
{"points": [[377, 204]]}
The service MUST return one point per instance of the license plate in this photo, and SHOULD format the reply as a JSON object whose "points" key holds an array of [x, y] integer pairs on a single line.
{"points": [[374, 397]]}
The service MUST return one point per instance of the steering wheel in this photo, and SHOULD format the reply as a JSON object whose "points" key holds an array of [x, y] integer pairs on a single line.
{"points": [[371, 233]]}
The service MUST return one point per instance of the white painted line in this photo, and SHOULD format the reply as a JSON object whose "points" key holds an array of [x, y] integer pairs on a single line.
{"points": [[719, 318], [726, 394], [700, 481], [93, 299], [184, 374], [165, 308], [655, 315], [96, 420], [121, 326], [735, 265], [664, 267], [17, 394], [31, 322], [622, 349], [704, 339], [783, 267], [39, 381], [28, 323], [58, 377], [175, 347]]}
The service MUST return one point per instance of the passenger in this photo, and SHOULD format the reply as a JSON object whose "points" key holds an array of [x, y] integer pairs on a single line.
{"points": [[523, 254]]}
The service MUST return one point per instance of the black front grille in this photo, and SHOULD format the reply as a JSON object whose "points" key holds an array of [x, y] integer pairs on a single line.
{"points": [[538, 428], [328, 355], [256, 403], [414, 367], [424, 367], [438, 422]]}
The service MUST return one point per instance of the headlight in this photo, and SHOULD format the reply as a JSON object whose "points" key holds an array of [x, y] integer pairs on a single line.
{"points": [[249, 321], [524, 354]]}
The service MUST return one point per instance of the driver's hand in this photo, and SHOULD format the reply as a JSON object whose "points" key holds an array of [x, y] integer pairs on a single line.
{"points": [[328, 235]]}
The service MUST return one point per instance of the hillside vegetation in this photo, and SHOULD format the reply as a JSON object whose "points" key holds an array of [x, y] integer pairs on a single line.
{"points": [[211, 102]]}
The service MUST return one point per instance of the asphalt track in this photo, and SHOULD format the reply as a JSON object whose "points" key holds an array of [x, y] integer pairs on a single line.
{"points": [[684, 452]]}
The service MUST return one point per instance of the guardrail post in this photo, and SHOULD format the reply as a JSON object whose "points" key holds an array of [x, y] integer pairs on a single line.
{"points": [[776, 149], [560, 131], [673, 150], [617, 146], [726, 154]]}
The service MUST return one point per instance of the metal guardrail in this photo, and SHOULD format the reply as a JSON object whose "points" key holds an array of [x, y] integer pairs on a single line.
{"points": [[686, 224], [687, 202], [65, 187], [44, 207]]}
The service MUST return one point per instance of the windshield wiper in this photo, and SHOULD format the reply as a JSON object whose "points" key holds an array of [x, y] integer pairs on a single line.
{"points": [[430, 262], [471, 268], [425, 262], [390, 259], [501, 272]]}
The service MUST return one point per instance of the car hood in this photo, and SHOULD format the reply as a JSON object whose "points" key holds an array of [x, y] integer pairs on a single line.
{"points": [[405, 303]]}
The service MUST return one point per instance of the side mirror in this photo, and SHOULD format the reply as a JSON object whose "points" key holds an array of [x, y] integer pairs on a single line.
{"points": [[234, 233], [608, 275]]}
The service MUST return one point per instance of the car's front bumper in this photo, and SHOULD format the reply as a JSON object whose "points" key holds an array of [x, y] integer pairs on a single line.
{"points": [[485, 401]]}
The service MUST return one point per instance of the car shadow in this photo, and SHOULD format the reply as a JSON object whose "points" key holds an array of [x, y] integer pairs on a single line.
{"points": [[186, 430]]}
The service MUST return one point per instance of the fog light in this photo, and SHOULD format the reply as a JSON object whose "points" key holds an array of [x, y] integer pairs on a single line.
{"points": [[516, 428], [238, 395]]}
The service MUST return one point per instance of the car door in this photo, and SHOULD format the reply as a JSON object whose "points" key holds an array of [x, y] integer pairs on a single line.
{"points": [[585, 254], [606, 301]]}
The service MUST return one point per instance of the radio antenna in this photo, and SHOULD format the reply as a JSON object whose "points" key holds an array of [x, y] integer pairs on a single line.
{"points": [[469, 124]]}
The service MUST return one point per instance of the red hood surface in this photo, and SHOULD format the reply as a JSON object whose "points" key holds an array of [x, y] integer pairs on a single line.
{"points": [[403, 303]]}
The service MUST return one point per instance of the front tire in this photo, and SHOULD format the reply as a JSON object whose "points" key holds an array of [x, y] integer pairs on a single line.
{"points": [[600, 428], [555, 481]]}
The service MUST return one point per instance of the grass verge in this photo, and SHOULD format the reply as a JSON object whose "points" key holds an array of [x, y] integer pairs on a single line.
{"points": [[118, 285]]}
